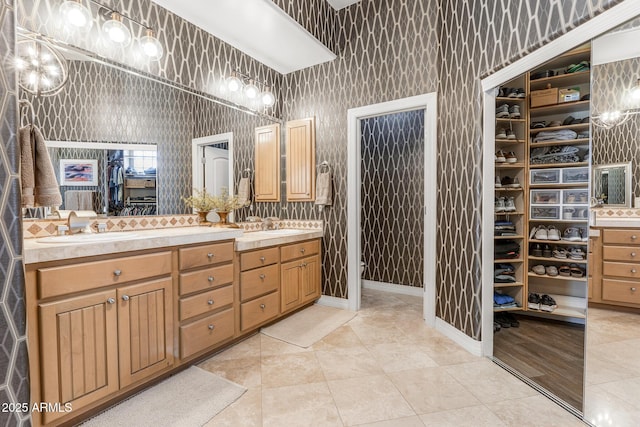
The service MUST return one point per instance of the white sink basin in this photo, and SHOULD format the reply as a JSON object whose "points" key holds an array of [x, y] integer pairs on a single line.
{"points": [[88, 238]]}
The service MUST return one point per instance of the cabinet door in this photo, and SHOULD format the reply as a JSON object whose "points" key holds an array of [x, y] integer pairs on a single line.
{"points": [[301, 160], [145, 329], [267, 164], [290, 276], [310, 280], [79, 353]]}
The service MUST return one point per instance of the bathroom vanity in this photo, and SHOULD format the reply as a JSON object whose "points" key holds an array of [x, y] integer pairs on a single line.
{"points": [[107, 317]]}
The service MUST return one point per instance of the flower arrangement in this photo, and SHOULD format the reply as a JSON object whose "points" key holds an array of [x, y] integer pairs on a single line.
{"points": [[225, 202], [205, 202]]}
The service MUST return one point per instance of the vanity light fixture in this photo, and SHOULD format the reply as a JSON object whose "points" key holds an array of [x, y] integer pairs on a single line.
{"points": [[234, 83], [251, 90], [250, 87], [116, 31], [268, 99], [151, 46], [635, 91], [76, 15], [610, 119], [41, 69]]}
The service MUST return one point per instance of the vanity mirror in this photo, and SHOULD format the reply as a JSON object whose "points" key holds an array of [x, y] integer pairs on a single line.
{"points": [[110, 106], [612, 184]]}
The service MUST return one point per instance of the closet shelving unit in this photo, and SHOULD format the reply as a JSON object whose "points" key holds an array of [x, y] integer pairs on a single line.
{"points": [[570, 206], [517, 290]]}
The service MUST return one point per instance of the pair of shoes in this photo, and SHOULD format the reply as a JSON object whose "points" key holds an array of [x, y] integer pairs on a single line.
{"points": [[505, 204], [545, 233], [560, 253], [571, 270], [503, 133], [506, 92], [510, 183], [506, 320], [541, 302], [542, 74], [576, 254], [541, 251], [575, 68], [502, 112], [572, 234], [509, 157], [541, 270]]}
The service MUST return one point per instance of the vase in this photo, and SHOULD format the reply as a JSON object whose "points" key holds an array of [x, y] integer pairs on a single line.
{"points": [[202, 218], [223, 221]]}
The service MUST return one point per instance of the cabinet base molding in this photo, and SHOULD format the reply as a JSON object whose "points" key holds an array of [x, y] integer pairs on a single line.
{"points": [[393, 288]]}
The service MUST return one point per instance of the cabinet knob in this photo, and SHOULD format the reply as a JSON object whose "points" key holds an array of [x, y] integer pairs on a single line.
{"points": [[633, 270], [111, 301], [210, 278], [211, 327], [302, 250], [634, 237], [262, 306], [117, 273], [125, 297], [633, 289], [210, 302], [262, 276], [210, 255], [262, 258]]}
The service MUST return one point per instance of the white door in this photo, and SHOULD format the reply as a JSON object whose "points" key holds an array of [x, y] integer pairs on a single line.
{"points": [[216, 173]]}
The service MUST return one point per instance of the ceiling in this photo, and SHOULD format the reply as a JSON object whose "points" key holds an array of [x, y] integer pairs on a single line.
{"points": [[258, 28]]}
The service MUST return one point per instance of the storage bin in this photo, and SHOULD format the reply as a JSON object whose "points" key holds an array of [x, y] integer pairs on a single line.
{"points": [[575, 175], [540, 98], [544, 176], [575, 197], [575, 213], [544, 197], [544, 212]]}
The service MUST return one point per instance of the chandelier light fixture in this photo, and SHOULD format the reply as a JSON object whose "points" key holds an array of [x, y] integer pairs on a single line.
{"points": [[78, 17], [250, 88], [42, 70]]}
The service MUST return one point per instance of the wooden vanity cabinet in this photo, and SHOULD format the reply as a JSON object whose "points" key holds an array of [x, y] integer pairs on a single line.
{"points": [[300, 142], [259, 287], [621, 267], [267, 163], [300, 271]]}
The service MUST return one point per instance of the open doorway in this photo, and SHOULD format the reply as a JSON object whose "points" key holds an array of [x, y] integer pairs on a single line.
{"points": [[212, 160]]}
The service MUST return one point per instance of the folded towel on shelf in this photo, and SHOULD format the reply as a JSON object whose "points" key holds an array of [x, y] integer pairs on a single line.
{"points": [[40, 186], [324, 191], [78, 200], [244, 191]]}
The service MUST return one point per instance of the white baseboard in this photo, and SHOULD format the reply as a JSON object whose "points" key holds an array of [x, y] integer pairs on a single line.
{"points": [[472, 346], [396, 289], [334, 302]]}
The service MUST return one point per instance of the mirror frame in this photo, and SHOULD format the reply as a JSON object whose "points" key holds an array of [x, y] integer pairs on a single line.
{"points": [[627, 183]]}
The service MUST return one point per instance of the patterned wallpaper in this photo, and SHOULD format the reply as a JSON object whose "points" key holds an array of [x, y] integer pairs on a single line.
{"points": [[609, 83], [393, 198], [14, 385]]}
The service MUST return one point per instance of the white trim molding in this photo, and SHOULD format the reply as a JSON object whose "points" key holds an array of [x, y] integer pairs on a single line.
{"points": [[334, 302], [429, 103], [393, 288], [463, 340]]}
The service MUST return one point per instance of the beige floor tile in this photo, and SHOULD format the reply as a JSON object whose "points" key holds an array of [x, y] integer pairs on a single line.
{"points": [[368, 399], [623, 353], [348, 362], [273, 347], [600, 370], [432, 390], [446, 352], [291, 369], [473, 416], [395, 357], [248, 348], [340, 338], [535, 411], [300, 405], [372, 334], [244, 412], [246, 372], [397, 422], [627, 390], [489, 382], [604, 409]]}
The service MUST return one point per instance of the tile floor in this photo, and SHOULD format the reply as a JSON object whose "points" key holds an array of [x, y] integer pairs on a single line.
{"points": [[384, 368]]}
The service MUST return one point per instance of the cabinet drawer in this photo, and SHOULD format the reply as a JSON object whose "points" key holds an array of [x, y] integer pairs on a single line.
{"points": [[68, 279], [201, 256], [205, 333], [205, 302], [621, 236], [621, 291], [259, 281], [249, 260], [205, 279], [260, 310], [621, 253], [299, 250], [621, 269]]}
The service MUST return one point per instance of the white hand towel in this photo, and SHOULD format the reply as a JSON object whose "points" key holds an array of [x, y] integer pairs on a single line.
{"points": [[324, 191], [244, 191]]}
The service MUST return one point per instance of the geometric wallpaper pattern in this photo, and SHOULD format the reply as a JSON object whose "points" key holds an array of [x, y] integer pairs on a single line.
{"points": [[14, 384], [610, 84], [392, 212]]}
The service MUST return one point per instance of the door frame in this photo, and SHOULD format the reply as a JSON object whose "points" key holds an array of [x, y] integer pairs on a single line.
{"points": [[584, 33], [197, 145], [429, 103]]}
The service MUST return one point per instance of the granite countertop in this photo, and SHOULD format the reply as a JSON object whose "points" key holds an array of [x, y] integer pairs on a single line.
{"points": [[263, 239]]}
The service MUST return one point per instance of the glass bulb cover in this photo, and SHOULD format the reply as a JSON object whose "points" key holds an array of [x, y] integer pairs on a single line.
{"points": [[268, 98], [151, 47], [41, 69], [251, 91], [117, 32], [635, 93], [76, 15], [234, 83]]}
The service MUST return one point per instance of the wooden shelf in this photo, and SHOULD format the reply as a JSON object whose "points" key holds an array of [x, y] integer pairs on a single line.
{"points": [[568, 306], [506, 99], [510, 141], [579, 126], [506, 119], [561, 108], [562, 221], [509, 213], [562, 80], [581, 185], [497, 310], [505, 165], [509, 189], [579, 141], [559, 242], [558, 277], [564, 260], [508, 237], [508, 285], [559, 165], [507, 260]]}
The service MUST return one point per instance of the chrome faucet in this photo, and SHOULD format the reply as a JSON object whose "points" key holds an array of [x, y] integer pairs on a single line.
{"points": [[271, 223], [79, 224]]}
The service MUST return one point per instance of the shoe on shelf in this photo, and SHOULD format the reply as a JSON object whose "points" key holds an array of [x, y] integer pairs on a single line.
{"points": [[532, 233], [498, 183], [576, 271], [533, 302], [576, 254], [565, 270], [520, 93], [499, 204], [507, 181], [568, 120], [514, 112], [547, 303], [538, 125], [500, 157], [501, 133], [542, 233], [511, 157], [513, 93], [560, 253], [584, 234], [502, 112], [551, 270], [539, 269], [537, 250], [553, 233], [572, 234], [511, 134], [555, 123], [509, 204], [546, 251]]}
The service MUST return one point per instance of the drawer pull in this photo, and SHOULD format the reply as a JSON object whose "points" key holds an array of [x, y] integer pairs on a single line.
{"points": [[210, 302], [210, 278], [262, 306], [304, 264], [633, 254], [262, 276], [111, 301], [210, 256], [117, 273], [633, 289], [634, 237], [125, 297], [262, 259], [211, 327], [302, 250], [633, 270]]}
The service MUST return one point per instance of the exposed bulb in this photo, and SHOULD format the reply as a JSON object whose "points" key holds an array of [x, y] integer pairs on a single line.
{"points": [[268, 99], [116, 31], [251, 90], [76, 15], [233, 82], [151, 47]]}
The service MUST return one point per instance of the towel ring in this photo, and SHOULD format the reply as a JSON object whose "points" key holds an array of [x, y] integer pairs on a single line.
{"points": [[26, 104], [324, 167], [246, 173]]}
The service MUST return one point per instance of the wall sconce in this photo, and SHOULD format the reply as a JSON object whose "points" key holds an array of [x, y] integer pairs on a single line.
{"points": [[250, 87], [78, 17], [42, 70]]}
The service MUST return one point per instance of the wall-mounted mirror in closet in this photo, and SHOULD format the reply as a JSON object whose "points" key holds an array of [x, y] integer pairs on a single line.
{"points": [[566, 269]]}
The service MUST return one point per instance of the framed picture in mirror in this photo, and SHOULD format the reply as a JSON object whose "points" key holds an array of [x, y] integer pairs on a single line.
{"points": [[78, 172]]}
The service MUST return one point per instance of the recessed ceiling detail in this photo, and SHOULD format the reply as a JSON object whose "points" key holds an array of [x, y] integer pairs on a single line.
{"points": [[258, 28]]}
